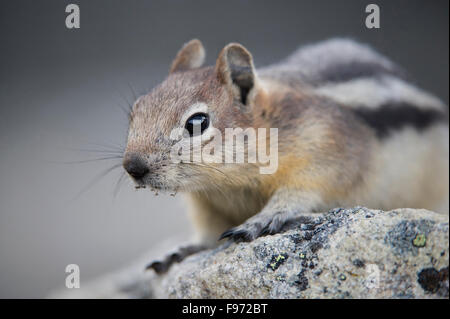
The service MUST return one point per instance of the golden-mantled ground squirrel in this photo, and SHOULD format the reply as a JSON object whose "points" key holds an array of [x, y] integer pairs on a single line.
{"points": [[351, 132]]}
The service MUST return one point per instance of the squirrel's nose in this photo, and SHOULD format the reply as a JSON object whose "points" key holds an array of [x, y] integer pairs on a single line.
{"points": [[135, 165]]}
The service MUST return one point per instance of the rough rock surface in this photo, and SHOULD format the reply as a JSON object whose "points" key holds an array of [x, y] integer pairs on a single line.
{"points": [[345, 253]]}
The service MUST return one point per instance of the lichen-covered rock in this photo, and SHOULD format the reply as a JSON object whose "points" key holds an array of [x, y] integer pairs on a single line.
{"points": [[345, 253]]}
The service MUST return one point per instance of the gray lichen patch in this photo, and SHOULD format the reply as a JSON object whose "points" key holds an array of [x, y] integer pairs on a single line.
{"points": [[302, 281], [409, 235]]}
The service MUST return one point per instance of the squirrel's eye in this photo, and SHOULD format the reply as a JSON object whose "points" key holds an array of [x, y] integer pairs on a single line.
{"points": [[197, 124]]}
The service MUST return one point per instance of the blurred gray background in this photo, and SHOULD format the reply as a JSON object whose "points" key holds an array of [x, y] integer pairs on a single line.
{"points": [[62, 90]]}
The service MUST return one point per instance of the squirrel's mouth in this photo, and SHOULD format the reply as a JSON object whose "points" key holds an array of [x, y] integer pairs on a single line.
{"points": [[157, 190], [155, 186]]}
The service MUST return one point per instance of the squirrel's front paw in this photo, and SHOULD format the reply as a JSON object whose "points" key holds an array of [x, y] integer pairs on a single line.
{"points": [[259, 225], [162, 266]]}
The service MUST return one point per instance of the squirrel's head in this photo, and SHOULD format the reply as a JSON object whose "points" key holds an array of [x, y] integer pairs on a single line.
{"points": [[190, 106]]}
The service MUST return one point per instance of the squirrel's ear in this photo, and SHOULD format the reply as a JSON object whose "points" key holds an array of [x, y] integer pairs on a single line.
{"points": [[191, 55], [234, 67]]}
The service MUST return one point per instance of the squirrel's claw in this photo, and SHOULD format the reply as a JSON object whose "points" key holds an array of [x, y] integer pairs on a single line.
{"points": [[262, 225], [237, 234], [164, 265]]}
